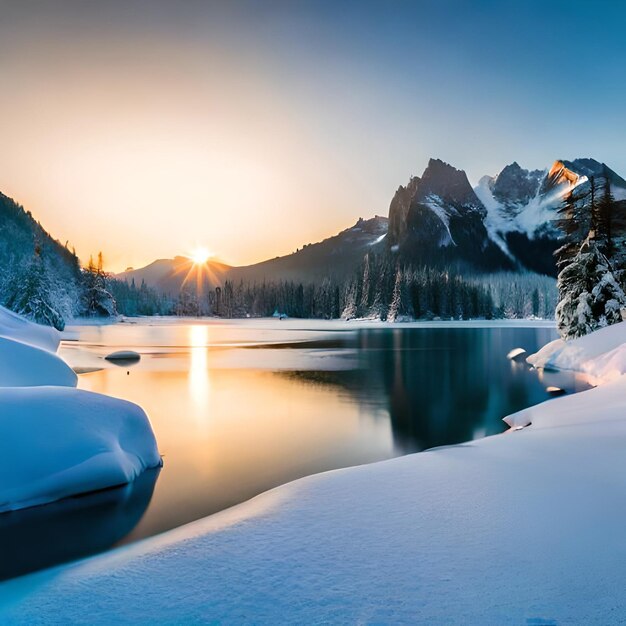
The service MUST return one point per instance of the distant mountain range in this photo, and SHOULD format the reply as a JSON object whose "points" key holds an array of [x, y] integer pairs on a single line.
{"points": [[334, 257], [507, 222]]}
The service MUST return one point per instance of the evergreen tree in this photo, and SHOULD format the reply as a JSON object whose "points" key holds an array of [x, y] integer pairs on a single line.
{"points": [[604, 220], [575, 223], [589, 295], [97, 299], [30, 293], [535, 302]]}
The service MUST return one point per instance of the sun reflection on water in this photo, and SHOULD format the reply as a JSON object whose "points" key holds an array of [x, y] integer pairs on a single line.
{"points": [[199, 381]]}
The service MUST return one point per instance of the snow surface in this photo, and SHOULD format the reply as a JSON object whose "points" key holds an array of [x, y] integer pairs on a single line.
{"points": [[24, 365], [58, 441], [522, 217], [16, 327], [600, 355], [496, 221], [525, 527], [439, 208]]}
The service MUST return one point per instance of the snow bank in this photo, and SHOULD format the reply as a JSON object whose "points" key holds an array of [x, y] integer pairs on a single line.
{"points": [[14, 326], [23, 365], [601, 354], [58, 441], [525, 527]]}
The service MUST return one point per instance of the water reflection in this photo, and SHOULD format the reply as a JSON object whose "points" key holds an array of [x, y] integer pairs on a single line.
{"points": [[198, 367], [42, 536], [240, 408]]}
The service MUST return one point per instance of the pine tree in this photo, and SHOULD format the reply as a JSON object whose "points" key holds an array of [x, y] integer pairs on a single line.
{"points": [[575, 222], [589, 295], [97, 299], [604, 219], [31, 294]]}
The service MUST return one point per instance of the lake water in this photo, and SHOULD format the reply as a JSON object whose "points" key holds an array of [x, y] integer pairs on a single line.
{"points": [[241, 407]]}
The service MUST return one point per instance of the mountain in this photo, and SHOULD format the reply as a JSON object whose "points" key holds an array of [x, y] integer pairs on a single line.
{"points": [[439, 220], [169, 276], [522, 206], [334, 257], [507, 222]]}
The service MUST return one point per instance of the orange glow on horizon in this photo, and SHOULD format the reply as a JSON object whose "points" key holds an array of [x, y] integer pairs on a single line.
{"points": [[200, 255]]}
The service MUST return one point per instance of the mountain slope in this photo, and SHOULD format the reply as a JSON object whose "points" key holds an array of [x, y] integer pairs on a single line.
{"points": [[334, 257], [19, 234]]}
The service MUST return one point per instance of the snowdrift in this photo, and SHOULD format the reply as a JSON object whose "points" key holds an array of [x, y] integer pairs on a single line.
{"points": [[57, 441], [521, 528], [23, 365], [601, 354], [13, 326]]}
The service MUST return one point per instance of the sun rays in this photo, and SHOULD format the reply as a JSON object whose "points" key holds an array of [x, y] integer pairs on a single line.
{"points": [[201, 267]]}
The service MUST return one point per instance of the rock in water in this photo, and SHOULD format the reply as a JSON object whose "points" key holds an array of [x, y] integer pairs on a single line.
{"points": [[517, 354], [123, 357]]}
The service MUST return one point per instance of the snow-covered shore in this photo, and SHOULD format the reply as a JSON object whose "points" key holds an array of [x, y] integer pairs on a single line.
{"points": [[57, 441], [525, 527]]}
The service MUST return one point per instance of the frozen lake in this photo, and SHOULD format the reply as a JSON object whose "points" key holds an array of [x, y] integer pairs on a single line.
{"points": [[240, 407]]}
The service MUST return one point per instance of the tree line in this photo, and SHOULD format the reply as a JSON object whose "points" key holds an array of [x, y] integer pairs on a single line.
{"points": [[379, 288]]}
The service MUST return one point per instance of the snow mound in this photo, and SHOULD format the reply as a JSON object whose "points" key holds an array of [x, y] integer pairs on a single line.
{"points": [[24, 365], [58, 441], [14, 326], [606, 403], [601, 355]]}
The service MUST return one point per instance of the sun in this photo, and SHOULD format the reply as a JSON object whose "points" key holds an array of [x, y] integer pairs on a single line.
{"points": [[200, 256]]}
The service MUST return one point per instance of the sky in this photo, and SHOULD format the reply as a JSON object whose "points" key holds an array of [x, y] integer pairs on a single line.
{"points": [[147, 128]]}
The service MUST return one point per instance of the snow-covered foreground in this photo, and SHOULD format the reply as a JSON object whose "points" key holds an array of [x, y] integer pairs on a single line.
{"points": [[55, 440], [525, 527]]}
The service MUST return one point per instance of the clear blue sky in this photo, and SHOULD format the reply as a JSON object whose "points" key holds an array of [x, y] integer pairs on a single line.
{"points": [[321, 108]]}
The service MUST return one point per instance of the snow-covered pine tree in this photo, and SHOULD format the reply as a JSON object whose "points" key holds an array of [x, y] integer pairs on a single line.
{"points": [[366, 289], [575, 222], [589, 295], [401, 306], [603, 222], [97, 299], [31, 293], [350, 309]]}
